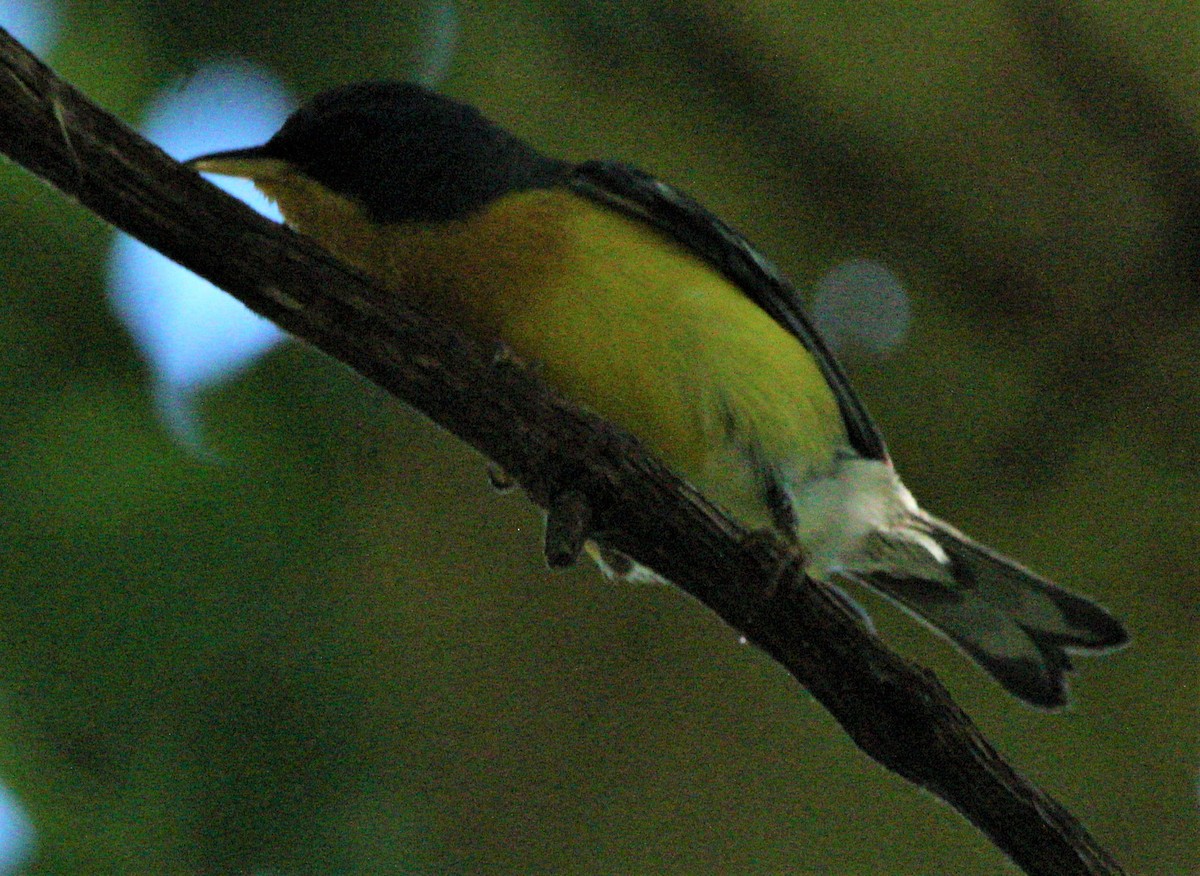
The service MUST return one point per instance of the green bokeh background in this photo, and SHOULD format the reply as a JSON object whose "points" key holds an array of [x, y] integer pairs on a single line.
{"points": [[340, 652]]}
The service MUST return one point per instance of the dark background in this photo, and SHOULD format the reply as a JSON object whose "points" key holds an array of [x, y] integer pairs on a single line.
{"points": [[340, 652]]}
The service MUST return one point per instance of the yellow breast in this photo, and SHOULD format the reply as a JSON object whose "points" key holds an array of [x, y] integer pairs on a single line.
{"points": [[620, 320]]}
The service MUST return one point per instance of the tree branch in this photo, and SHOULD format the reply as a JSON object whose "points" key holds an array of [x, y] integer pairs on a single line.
{"points": [[594, 478]]}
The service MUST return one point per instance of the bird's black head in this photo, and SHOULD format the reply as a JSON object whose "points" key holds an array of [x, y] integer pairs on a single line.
{"points": [[407, 154]]}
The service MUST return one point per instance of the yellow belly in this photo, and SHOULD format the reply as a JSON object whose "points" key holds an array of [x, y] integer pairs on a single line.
{"points": [[664, 346], [620, 321]]}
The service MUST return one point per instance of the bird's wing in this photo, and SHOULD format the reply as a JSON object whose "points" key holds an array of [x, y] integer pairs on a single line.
{"points": [[680, 217]]}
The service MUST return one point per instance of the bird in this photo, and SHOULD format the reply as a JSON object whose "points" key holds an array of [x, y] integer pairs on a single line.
{"points": [[637, 303]]}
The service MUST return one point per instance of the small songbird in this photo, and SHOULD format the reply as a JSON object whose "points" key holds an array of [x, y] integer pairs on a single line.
{"points": [[639, 304]]}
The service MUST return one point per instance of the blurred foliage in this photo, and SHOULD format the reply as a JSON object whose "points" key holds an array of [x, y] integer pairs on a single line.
{"points": [[339, 652]]}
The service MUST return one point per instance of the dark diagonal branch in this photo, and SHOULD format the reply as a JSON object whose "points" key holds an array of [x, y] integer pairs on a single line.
{"points": [[595, 477]]}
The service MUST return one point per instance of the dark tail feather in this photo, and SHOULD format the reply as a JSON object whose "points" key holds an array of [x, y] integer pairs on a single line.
{"points": [[1014, 623]]}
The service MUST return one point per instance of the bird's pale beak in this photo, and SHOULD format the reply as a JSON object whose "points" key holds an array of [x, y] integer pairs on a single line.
{"points": [[248, 163]]}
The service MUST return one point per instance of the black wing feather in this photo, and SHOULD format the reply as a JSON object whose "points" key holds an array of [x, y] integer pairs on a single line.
{"points": [[683, 219]]}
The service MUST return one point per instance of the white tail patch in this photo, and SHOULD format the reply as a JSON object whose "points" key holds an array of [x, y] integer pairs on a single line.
{"points": [[861, 518]]}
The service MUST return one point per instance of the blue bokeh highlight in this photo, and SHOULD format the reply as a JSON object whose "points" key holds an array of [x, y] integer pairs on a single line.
{"points": [[193, 335], [17, 844], [861, 303], [35, 24], [439, 39]]}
